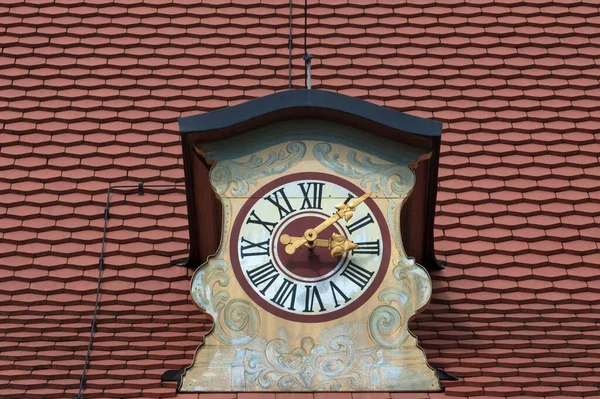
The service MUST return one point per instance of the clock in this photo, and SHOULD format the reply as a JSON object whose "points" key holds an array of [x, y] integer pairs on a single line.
{"points": [[312, 283], [296, 218]]}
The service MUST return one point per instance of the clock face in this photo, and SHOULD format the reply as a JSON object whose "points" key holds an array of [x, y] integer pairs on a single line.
{"points": [[309, 285]]}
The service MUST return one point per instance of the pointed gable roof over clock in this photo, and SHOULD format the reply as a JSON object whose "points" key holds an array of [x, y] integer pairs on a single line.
{"points": [[227, 123], [91, 92]]}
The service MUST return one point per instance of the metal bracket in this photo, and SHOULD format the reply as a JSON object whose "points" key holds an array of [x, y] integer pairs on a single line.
{"points": [[307, 58], [172, 375], [443, 376]]}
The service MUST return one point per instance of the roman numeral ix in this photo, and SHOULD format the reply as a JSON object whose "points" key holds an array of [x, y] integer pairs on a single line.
{"points": [[285, 208], [261, 248], [313, 194]]}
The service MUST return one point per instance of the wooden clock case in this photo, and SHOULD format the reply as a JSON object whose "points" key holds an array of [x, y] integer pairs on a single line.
{"points": [[370, 349]]}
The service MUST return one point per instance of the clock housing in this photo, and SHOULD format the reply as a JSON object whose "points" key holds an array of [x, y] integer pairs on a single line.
{"points": [[304, 320]]}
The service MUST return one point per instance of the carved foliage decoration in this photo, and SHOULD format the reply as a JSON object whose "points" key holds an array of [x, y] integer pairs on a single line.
{"points": [[312, 367], [389, 178], [241, 174], [236, 321]]}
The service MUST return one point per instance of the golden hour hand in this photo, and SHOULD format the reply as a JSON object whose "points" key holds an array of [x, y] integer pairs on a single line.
{"points": [[344, 211], [338, 244]]}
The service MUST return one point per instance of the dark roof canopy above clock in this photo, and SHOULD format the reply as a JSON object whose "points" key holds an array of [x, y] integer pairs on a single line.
{"points": [[204, 210]]}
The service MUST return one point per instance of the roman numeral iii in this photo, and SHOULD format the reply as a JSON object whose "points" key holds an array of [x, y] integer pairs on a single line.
{"points": [[368, 248], [360, 223], [254, 249], [281, 201], [313, 194]]}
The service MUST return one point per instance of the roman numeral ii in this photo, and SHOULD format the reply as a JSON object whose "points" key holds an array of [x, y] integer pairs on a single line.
{"points": [[360, 223]]}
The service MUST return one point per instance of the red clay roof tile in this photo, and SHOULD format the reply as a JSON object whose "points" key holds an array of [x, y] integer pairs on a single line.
{"points": [[514, 83]]}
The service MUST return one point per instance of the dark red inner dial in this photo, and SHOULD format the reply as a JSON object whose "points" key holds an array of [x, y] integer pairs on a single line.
{"points": [[307, 262]]}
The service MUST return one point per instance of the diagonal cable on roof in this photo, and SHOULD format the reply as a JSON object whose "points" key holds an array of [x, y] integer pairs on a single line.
{"points": [[139, 189]]}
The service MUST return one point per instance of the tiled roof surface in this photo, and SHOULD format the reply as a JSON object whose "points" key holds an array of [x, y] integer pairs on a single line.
{"points": [[89, 97]]}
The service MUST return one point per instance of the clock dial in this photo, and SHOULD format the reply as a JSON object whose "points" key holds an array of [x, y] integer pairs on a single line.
{"points": [[310, 284]]}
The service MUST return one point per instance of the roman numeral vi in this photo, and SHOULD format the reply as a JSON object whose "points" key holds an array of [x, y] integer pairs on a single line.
{"points": [[312, 293]]}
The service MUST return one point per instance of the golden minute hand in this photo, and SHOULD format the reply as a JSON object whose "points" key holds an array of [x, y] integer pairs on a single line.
{"points": [[343, 211]]}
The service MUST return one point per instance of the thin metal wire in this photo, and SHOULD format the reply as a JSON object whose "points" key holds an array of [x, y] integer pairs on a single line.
{"points": [[305, 23], [307, 57], [290, 40], [97, 305], [82, 380]]}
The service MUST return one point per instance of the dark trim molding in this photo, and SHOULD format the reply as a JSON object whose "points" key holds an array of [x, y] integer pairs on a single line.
{"points": [[299, 99]]}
